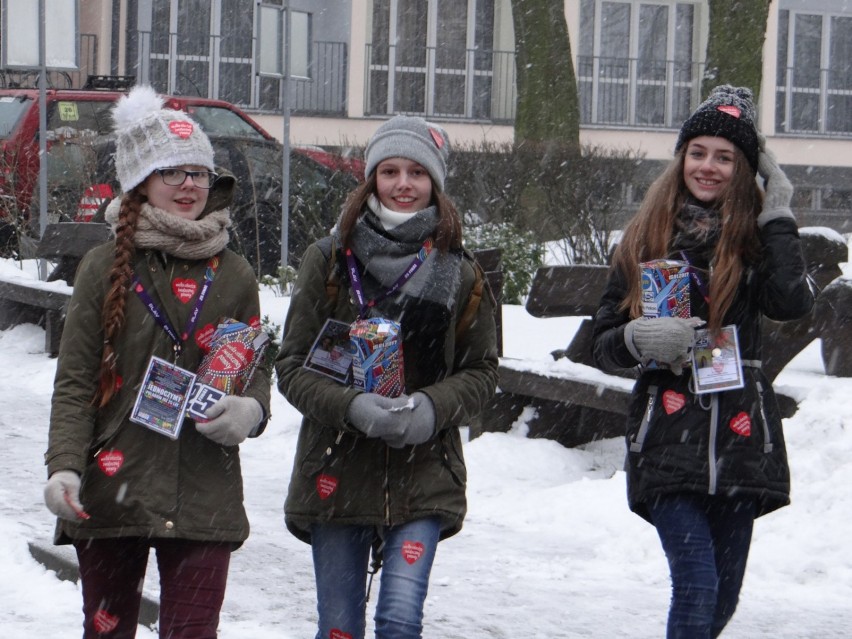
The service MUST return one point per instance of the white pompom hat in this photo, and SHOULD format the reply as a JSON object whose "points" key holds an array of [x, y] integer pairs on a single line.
{"points": [[149, 136]]}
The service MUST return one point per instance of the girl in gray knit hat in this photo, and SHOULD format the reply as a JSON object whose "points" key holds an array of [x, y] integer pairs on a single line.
{"points": [[706, 450], [382, 471], [128, 470]]}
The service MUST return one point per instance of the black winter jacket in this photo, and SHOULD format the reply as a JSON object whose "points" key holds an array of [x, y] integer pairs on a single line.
{"points": [[733, 443]]}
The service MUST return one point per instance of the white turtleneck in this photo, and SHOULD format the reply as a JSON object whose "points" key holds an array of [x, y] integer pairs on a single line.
{"points": [[389, 219]]}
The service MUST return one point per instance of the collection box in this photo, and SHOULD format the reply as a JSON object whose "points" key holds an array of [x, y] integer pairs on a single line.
{"points": [[665, 288], [377, 362]]}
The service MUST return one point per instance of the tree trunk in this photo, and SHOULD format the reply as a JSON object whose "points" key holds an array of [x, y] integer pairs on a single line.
{"points": [[737, 31], [547, 104]]}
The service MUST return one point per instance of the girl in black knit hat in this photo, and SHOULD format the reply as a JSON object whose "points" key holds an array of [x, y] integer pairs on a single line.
{"points": [[706, 451]]}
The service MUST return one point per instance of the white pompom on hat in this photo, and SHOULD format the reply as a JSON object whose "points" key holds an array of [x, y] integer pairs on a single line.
{"points": [[413, 138], [149, 136]]}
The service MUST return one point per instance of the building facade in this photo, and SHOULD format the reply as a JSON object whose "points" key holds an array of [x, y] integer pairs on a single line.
{"points": [[355, 62]]}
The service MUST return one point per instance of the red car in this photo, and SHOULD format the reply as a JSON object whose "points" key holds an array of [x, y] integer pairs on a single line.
{"points": [[81, 176]]}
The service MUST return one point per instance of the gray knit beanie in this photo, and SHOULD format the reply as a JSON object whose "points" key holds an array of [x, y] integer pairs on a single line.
{"points": [[413, 138], [150, 137], [728, 112]]}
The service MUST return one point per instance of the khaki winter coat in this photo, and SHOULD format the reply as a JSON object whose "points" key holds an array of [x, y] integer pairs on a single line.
{"points": [[340, 475], [137, 482]]}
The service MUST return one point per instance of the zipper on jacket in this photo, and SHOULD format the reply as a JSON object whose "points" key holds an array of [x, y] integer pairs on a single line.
{"points": [[767, 437], [713, 478], [639, 441]]}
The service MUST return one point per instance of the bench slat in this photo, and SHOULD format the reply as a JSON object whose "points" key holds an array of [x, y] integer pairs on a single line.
{"points": [[560, 291]]}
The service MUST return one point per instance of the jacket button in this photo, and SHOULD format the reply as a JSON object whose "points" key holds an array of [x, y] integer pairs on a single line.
{"points": [[328, 451], [170, 525]]}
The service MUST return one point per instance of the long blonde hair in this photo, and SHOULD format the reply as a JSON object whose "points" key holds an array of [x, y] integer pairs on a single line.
{"points": [[649, 233]]}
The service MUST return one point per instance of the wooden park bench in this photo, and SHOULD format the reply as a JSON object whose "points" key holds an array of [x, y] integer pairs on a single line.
{"points": [[24, 300], [577, 407]]}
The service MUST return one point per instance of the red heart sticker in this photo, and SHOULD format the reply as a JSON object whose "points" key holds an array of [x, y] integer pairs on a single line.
{"points": [[673, 401], [138, 288], [411, 551], [338, 634], [105, 622], [231, 359], [730, 109], [439, 139], [254, 322], [184, 289], [203, 336], [326, 485], [181, 128], [110, 461], [741, 424]]}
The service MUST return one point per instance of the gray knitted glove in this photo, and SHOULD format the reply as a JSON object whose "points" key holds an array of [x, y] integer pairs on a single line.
{"points": [[418, 424], [667, 340], [779, 191], [378, 416], [62, 495], [232, 419]]}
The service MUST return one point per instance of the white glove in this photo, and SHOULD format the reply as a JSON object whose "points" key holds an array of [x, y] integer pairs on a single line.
{"points": [[418, 424], [376, 415], [778, 190], [62, 495], [667, 340], [232, 419]]}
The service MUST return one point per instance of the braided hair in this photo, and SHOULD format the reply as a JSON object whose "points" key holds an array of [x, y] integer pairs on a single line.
{"points": [[113, 313]]}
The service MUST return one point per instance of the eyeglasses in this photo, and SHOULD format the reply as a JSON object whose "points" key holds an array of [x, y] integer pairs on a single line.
{"points": [[176, 177]]}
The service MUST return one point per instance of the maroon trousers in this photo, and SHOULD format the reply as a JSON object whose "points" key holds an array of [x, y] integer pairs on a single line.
{"points": [[192, 586]]}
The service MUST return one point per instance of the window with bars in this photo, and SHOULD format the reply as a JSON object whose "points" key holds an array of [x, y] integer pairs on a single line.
{"points": [[814, 71], [437, 58], [637, 63]]}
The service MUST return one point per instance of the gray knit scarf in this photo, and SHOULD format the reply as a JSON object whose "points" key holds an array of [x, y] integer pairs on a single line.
{"points": [[186, 239], [385, 254]]}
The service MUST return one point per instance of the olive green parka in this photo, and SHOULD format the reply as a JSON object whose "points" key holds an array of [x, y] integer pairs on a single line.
{"points": [[135, 481], [341, 476]]}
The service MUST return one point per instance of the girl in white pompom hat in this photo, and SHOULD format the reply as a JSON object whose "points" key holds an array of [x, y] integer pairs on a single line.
{"points": [[128, 469]]}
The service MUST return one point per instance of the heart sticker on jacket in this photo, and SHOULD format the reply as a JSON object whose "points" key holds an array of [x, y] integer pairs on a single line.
{"points": [[338, 634], [412, 551], [105, 622], [741, 424], [203, 336], [673, 402], [110, 461], [326, 485], [184, 289]]}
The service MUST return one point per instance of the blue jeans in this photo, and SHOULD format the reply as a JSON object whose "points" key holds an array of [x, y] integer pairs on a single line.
{"points": [[341, 558], [706, 540]]}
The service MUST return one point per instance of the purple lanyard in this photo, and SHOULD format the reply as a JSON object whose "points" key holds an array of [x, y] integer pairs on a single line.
{"points": [[358, 288], [699, 282], [160, 317]]}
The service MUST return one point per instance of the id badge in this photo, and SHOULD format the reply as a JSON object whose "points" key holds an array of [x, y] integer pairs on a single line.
{"points": [[331, 353], [717, 364], [161, 402]]}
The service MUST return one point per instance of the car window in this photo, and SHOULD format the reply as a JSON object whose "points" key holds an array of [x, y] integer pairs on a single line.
{"points": [[224, 122], [11, 110], [79, 118]]}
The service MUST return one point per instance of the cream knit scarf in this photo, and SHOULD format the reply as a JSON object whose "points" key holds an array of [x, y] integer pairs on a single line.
{"points": [[186, 239]]}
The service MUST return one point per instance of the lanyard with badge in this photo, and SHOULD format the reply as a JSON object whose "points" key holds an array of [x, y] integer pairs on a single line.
{"points": [[716, 360], [161, 402]]}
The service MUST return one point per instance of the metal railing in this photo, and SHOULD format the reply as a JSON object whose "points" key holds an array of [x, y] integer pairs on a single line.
{"points": [[28, 79], [470, 84], [635, 92]]}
